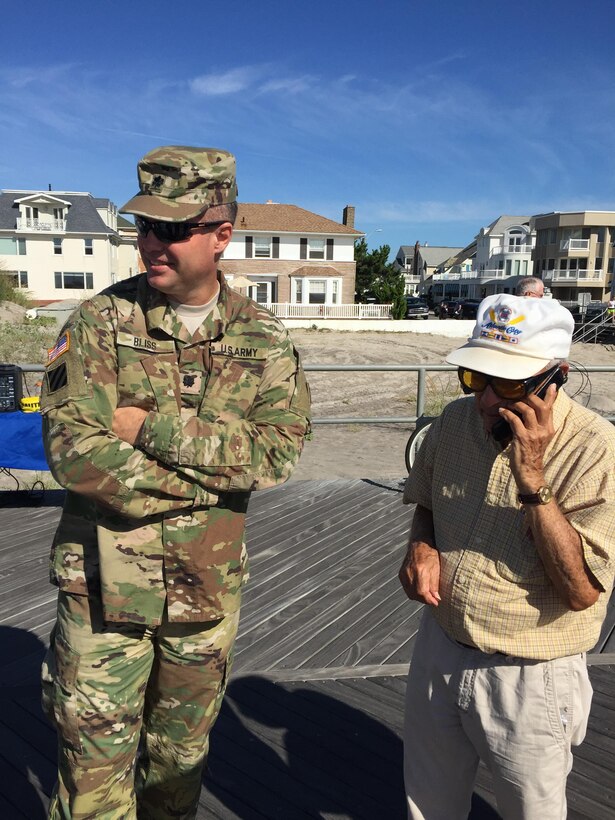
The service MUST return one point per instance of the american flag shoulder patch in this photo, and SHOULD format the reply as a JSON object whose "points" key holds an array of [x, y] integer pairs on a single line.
{"points": [[61, 346]]}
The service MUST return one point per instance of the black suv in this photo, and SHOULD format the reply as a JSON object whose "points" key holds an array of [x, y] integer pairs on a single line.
{"points": [[416, 308], [458, 308], [468, 308]]}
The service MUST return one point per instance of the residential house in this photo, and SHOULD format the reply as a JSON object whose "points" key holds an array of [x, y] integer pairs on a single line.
{"points": [[291, 255], [405, 261], [419, 263], [499, 255], [62, 244], [575, 254]]}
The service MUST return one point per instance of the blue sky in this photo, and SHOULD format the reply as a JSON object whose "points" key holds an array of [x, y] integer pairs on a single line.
{"points": [[432, 118]]}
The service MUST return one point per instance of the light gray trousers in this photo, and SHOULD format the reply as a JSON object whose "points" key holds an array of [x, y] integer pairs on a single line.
{"points": [[519, 716]]}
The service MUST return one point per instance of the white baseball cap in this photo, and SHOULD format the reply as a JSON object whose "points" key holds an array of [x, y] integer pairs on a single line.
{"points": [[516, 336]]}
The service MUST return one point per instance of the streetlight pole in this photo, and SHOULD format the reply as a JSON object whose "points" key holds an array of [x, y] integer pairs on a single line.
{"points": [[367, 235]]}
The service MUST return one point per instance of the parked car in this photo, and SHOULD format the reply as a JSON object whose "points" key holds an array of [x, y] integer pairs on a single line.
{"points": [[468, 308], [446, 308], [458, 308], [416, 308], [595, 312]]}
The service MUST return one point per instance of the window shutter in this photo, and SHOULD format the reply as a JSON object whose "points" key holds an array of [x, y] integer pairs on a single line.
{"points": [[329, 249], [249, 245], [303, 248], [275, 247]]}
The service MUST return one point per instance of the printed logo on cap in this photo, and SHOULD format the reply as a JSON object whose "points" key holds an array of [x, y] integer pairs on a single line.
{"points": [[502, 328]]}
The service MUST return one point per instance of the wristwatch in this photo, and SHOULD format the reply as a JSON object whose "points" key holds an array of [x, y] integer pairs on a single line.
{"points": [[542, 495]]}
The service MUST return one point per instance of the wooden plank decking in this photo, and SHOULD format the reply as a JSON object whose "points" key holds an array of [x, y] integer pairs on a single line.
{"points": [[311, 726]]}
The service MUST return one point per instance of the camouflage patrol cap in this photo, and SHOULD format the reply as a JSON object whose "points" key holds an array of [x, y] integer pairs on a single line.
{"points": [[178, 182]]}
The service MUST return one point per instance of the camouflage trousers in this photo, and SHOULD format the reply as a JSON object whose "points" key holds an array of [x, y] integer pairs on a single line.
{"points": [[133, 707]]}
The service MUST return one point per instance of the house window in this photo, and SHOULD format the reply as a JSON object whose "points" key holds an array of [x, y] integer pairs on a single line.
{"points": [[57, 246], [12, 247], [317, 290], [307, 291], [17, 279], [262, 247], [316, 248], [31, 213], [88, 247], [74, 281], [58, 214]]}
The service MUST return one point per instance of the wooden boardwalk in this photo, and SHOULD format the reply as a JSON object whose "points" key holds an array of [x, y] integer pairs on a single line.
{"points": [[311, 726]]}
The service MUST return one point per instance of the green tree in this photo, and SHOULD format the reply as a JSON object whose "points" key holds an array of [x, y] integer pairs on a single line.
{"points": [[379, 280]]}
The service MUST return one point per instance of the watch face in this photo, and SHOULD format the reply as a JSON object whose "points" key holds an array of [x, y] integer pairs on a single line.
{"points": [[545, 495]]}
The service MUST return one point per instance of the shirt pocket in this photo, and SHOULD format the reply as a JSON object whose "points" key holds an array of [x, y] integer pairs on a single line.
{"points": [[232, 387]]}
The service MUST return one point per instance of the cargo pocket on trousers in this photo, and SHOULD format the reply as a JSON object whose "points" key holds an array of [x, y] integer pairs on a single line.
{"points": [[59, 694]]}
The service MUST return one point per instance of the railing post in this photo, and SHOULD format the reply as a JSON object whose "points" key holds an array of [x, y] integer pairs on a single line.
{"points": [[420, 393]]}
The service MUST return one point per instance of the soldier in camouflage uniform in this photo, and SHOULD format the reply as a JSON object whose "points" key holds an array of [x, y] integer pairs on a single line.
{"points": [[168, 398]]}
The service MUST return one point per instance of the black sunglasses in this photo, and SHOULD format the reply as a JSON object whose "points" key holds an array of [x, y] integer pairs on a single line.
{"points": [[474, 382], [170, 231]]}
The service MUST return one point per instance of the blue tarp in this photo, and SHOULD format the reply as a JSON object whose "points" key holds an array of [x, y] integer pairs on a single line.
{"points": [[21, 441]]}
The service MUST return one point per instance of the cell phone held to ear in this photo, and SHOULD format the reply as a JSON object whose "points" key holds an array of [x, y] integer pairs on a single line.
{"points": [[501, 430]]}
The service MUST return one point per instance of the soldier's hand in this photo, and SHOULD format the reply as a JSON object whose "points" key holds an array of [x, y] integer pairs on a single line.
{"points": [[127, 423], [420, 573]]}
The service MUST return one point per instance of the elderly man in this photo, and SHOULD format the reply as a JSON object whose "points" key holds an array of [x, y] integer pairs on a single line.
{"points": [[530, 286], [512, 548], [167, 399]]}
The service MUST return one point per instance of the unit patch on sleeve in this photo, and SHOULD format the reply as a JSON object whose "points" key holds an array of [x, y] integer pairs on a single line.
{"points": [[61, 346], [57, 378]]}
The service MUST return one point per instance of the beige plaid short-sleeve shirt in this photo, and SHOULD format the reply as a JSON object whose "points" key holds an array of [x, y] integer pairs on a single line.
{"points": [[495, 592]]}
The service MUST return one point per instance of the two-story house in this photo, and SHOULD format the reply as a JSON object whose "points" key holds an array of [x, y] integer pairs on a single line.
{"points": [[575, 253], [290, 255], [499, 255], [61, 244]]}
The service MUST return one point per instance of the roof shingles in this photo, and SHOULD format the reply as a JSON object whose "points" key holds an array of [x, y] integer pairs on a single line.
{"points": [[286, 219]]}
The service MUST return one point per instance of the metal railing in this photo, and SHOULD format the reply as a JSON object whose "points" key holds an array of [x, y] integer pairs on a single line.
{"points": [[594, 328], [501, 249], [574, 245], [420, 369], [25, 224], [582, 275]]}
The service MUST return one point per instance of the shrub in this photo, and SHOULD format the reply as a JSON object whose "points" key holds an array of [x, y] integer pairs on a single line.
{"points": [[10, 294], [25, 343]]}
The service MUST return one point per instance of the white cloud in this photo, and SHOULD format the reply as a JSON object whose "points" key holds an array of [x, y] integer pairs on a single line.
{"points": [[227, 82]]}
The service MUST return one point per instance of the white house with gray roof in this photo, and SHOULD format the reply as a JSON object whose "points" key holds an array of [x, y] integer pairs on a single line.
{"points": [[63, 244], [499, 256]]}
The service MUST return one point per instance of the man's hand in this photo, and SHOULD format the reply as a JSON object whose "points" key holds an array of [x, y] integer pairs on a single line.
{"points": [[420, 573], [127, 423], [532, 429]]}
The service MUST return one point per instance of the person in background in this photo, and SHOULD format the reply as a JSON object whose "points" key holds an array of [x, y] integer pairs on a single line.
{"points": [[512, 549], [530, 286], [167, 399]]}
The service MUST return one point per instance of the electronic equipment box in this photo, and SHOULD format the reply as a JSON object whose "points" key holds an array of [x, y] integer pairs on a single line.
{"points": [[10, 387]]}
